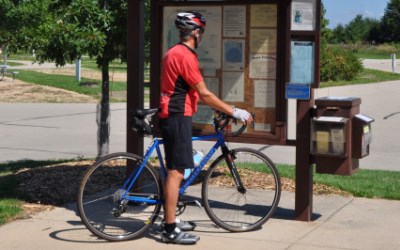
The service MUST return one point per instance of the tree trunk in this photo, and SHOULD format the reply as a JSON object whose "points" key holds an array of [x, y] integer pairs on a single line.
{"points": [[104, 113]]}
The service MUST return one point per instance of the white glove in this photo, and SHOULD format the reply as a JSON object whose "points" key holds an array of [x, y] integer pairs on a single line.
{"points": [[240, 114]]}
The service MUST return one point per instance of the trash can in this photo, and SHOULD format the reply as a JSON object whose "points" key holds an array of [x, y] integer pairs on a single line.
{"points": [[332, 135]]}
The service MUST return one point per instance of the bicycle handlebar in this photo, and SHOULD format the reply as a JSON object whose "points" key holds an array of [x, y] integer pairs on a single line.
{"points": [[225, 119], [141, 124]]}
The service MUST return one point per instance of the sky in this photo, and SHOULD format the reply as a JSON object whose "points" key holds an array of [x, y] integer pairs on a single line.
{"points": [[343, 11]]}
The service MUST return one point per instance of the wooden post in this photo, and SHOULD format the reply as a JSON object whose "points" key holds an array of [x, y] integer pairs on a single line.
{"points": [[135, 62], [304, 173]]}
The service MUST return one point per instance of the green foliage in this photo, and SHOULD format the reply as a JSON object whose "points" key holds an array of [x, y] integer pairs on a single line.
{"points": [[359, 29], [391, 22], [369, 30], [325, 32], [5, 24], [16, 21], [337, 64], [72, 30]]}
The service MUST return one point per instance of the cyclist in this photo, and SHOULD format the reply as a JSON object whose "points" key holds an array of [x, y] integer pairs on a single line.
{"points": [[181, 87]]}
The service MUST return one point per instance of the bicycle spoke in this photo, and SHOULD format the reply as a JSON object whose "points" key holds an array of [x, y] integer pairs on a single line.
{"points": [[241, 211], [109, 211]]}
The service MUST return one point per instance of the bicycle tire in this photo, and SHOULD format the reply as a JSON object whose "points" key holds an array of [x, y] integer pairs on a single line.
{"points": [[100, 204], [232, 210]]}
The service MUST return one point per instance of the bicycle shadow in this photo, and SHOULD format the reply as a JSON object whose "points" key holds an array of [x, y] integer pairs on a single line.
{"points": [[80, 234], [76, 231], [58, 184], [281, 212]]}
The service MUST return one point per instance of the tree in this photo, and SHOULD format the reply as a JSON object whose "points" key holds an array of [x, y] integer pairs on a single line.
{"points": [[18, 21], [96, 28], [338, 34], [325, 31], [335, 64], [5, 34], [374, 34], [391, 22], [359, 29]]}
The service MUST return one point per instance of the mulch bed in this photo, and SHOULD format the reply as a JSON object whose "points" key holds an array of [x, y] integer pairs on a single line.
{"points": [[58, 184]]}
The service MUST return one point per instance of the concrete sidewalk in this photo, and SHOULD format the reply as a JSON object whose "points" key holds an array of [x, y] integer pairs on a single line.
{"points": [[339, 223], [381, 64]]}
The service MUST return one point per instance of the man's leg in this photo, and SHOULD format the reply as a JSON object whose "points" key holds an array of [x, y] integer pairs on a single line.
{"points": [[171, 193], [171, 233]]}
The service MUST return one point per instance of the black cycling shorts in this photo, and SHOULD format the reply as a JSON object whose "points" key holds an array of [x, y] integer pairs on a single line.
{"points": [[177, 135]]}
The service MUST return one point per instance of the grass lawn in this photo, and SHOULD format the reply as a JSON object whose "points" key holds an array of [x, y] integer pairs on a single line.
{"points": [[68, 82], [367, 76], [364, 183], [382, 51], [114, 66]]}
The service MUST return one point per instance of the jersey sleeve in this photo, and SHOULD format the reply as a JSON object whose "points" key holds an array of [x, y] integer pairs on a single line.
{"points": [[190, 70]]}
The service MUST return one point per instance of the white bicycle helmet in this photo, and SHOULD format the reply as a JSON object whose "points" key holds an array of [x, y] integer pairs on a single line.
{"points": [[189, 21]]}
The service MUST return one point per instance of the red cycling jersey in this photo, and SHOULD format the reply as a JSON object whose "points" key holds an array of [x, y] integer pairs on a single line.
{"points": [[180, 71]]}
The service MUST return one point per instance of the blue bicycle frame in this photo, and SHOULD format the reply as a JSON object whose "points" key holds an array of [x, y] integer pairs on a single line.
{"points": [[155, 145]]}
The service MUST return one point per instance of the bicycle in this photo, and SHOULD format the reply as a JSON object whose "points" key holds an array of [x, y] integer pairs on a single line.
{"points": [[121, 195]]}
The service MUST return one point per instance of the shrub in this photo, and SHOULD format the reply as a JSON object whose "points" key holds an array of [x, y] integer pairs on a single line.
{"points": [[338, 64]]}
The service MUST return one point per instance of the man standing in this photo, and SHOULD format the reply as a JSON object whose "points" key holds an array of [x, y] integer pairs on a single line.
{"points": [[182, 86]]}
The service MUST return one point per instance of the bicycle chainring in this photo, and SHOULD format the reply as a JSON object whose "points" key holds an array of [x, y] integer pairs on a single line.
{"points": [[181, 206]]}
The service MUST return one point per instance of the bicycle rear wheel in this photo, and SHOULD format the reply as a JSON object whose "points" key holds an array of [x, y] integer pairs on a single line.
{"points": [[239, 210], [102, 203]]}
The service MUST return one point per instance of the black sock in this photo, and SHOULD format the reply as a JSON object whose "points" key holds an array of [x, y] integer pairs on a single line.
{"points": [[169, 228]]}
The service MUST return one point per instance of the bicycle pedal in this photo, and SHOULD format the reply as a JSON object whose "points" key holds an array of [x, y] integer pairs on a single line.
{"points": [[198, 204], [195, 202]]}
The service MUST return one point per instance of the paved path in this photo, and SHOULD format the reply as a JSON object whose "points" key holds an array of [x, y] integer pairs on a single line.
{"points": [[379, 64], [52, 131], [32, 65]]}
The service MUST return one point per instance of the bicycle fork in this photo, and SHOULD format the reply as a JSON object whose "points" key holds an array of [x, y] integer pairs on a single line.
{"points": [[229, 158]]}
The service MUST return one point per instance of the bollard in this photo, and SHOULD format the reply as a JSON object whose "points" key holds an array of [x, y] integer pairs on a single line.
{"points": [[393, 56], [78, 70]]}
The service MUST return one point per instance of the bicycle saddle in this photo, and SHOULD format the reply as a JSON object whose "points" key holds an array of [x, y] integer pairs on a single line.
{"points": [[142, 113]]}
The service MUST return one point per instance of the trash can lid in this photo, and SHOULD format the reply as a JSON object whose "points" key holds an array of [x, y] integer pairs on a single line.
{"points": [[338, 101]]}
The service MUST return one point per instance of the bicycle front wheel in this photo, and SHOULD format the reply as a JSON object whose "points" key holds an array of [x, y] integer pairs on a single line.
{"points": [[107, 208], [239, 209]]}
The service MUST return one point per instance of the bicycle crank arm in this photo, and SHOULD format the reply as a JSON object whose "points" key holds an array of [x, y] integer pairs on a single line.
{"points": [[195, 202]]}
